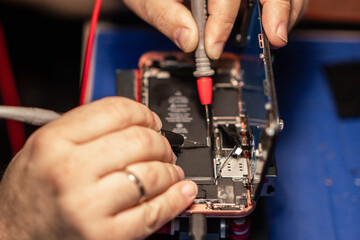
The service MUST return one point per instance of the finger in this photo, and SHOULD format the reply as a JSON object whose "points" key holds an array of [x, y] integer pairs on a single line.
{"points": [[120, 193], [298, 9], [153, 214], [275, 19], [171, 18], [102, 117], [115, 151], [222, 15], [156, 176]]}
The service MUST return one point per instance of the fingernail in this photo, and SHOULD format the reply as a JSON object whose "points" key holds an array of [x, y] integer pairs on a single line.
{"points": [[217, 49], [157, 121], [189, 189], [174, 158], [281, 32], [182, 37], [180, 172]]}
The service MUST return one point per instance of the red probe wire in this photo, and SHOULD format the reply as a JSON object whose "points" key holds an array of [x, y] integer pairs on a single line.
{"points": [[205, 87], [88, 52], [10, 96]]}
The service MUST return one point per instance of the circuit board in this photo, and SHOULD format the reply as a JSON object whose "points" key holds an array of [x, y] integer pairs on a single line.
{"points": [[225, 167]]}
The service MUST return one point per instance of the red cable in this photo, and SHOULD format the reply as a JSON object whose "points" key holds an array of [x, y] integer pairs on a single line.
{"points": [[10, 96], [88, 51]]}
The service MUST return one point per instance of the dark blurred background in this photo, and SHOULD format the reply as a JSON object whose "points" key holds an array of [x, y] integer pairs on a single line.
{"points": [[45, 52]]}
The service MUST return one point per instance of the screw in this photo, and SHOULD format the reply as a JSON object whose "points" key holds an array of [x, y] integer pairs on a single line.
{"points": [[209, 205]]}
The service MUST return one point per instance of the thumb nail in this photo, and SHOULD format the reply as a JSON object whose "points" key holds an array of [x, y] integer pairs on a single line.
{"points": [[281, 32], [182, 37], [217, 50]]}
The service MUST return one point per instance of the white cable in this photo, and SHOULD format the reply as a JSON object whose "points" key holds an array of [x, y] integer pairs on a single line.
{"points": [[30, 115]]}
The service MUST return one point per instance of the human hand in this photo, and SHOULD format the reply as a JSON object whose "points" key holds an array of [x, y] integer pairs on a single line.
{"points": [[174, 20], [70, 180]]}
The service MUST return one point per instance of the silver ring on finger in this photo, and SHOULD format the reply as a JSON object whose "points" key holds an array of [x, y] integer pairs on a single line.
{"points": [[139, 185]]}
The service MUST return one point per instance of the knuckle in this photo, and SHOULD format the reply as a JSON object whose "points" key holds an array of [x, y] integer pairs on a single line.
{"points": [[171, 171], [41, 138], [167, 152], [150, 171], [152, 216], [116, 105], [146, 117], [128, 110], [149, 118], [51, 158], [144, 137], [43, 145], [113, 100]]}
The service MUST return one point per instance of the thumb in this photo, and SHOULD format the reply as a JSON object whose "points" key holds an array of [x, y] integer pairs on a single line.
{"points": [[171, 18], [275, 18], [222, 15]]}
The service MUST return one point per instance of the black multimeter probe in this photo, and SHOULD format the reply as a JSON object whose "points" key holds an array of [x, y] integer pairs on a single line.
{"points": [[178, 141]]}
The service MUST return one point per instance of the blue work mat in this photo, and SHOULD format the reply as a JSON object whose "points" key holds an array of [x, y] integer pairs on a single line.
{"points": [[318, 154]]}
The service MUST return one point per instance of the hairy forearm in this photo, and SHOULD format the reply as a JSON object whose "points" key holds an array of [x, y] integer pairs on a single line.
{"points": [[70, 8]]}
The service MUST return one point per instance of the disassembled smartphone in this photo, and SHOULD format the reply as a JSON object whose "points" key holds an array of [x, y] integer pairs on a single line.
{"points": [[238, 165], [223, 169]]}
